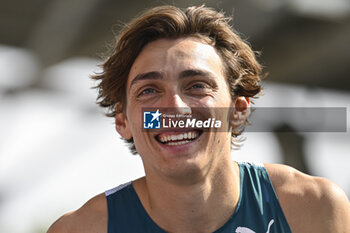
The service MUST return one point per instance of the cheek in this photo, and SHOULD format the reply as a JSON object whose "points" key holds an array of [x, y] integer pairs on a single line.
{"points": [[209, 101], [134, 119], [137, 124]]}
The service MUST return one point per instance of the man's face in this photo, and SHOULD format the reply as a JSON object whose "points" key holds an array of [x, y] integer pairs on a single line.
{"points": [[182, 74]]}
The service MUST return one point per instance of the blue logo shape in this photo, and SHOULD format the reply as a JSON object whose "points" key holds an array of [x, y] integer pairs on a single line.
{"points": [[151, 120]]}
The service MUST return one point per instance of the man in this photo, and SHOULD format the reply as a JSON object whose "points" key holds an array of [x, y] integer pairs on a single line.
{"points": [[187, 61]]}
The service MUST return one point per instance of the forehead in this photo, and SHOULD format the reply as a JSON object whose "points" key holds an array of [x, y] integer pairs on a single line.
{"points": [[170, 56]]}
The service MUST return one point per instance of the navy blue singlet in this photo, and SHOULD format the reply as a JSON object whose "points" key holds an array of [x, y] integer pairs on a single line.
{"points": [[258, 209]]}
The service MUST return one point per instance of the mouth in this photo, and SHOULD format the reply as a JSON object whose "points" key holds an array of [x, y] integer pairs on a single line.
{"points": [[174, 138]]}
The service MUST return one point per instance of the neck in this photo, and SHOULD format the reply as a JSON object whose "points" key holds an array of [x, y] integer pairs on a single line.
{"points": [[201, 206]]}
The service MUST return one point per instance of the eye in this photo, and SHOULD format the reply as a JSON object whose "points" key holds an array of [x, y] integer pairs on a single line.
{"points": [[200, 88], [147, 91], [197, 86]]}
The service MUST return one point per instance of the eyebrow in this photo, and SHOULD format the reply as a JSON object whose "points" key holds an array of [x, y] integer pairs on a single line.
{"points": [[194, 72], [146, 76], [155, 75]]}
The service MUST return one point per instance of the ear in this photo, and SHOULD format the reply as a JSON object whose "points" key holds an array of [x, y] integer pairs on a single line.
{"points": [[121, 123], [241, 111]]}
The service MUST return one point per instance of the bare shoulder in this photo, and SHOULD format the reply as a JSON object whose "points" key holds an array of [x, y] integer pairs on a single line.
{"points": [[311, 204], [91, 217]]}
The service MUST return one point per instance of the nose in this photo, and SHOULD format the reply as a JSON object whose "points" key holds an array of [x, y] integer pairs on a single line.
{"points": [[175, 103]]}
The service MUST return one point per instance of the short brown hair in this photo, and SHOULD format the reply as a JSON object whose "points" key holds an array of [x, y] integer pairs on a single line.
{"points": [[242, 70]]}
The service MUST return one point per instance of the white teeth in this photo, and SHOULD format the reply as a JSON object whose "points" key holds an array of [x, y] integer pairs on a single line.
{"points": [[177, 143], [178, 139], [194, 134], [162, 139]]}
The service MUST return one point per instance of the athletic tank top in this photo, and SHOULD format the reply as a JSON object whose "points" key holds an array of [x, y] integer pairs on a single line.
{"points": [[258, 209]]}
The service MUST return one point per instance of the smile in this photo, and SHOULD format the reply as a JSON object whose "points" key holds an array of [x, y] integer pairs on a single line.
{"points": [[178, 138]]}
